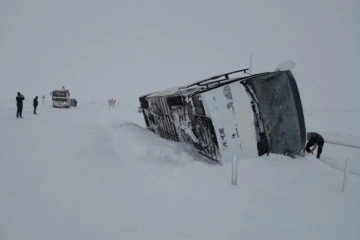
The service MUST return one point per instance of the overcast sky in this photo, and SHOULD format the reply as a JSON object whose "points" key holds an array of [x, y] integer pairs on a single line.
{"points": [[123, 49]]}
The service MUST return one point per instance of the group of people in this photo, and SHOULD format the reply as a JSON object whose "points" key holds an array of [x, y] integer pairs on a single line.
{"points": [[19, 103]]}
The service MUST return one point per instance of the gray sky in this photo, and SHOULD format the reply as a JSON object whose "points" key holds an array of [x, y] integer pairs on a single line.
{"points": [[123, 49]]}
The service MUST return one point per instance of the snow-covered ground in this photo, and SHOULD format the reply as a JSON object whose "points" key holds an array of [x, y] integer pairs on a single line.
{"points": [[90, 173], [337, 126]]}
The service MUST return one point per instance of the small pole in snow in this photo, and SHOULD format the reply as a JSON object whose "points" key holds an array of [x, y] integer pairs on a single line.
{"points": [[43, 98], [346, 173], [234, 170], [250, 67]]}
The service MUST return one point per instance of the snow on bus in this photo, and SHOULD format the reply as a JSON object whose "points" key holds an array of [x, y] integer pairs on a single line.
{"points": [[223, 116]]}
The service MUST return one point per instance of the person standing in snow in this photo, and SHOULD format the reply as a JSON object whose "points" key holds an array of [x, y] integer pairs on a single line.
{"points": [[19, 103], [35, 104], [315, 140]]}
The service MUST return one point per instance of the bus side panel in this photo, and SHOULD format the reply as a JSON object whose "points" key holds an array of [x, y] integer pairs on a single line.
{"points": [[229, 109], [245, 120]]}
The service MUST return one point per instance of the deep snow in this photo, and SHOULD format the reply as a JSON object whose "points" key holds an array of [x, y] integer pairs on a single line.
{"points": [[90, 173]]}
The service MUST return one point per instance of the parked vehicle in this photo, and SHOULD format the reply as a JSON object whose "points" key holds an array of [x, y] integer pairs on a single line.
{"points": [[223, 116], [73, 102], [61, 98]]}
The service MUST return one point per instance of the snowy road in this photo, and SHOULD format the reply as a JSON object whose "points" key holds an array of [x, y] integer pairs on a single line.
{"points": [[89, 173], [336, 156]]}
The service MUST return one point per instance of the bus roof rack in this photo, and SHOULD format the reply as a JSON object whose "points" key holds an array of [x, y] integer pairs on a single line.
{"points": [[226, 75]]}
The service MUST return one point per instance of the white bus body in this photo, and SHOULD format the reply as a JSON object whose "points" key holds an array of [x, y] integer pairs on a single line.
{"points": [[223, 117]]}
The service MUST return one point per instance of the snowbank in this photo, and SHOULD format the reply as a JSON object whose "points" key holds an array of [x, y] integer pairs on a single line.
{"points": [[90, 173]]}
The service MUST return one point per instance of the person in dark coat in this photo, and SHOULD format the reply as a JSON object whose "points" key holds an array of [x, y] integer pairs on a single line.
{"points": [[35, 104], [19, 103], [315, 140]]}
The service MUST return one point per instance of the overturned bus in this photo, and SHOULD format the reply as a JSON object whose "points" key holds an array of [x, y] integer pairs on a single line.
{"points": [[223, 116]]}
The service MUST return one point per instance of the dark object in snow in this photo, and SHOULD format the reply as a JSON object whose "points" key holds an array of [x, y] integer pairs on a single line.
{"points": [[315, 140], [220, 116], [35, 104], [73, 102], [19, 104]]}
